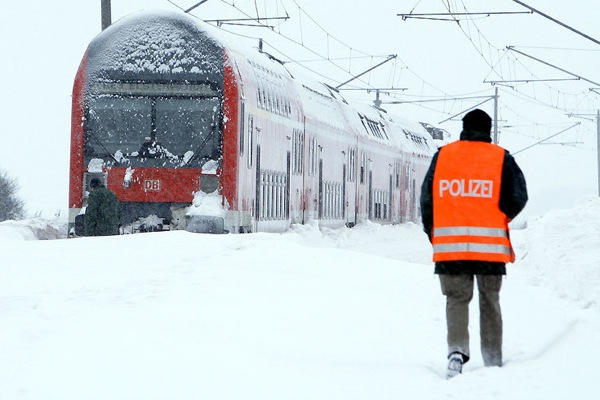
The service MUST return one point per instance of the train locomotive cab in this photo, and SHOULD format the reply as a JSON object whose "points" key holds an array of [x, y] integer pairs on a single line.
{"points": [[148, 119]]}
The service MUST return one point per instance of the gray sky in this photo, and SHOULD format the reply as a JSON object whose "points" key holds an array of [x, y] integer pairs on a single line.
{"points": [[42, 44]]}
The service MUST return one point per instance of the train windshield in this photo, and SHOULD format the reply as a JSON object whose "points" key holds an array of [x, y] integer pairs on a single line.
{"points": [[153, 131]]}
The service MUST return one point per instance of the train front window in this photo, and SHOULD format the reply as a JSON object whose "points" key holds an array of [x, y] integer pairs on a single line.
{"points": [[153, 131], [185, 124], [115, 124]]}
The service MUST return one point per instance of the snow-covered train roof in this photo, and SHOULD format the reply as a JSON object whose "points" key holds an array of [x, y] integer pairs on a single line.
{"points": [[379, 125], [142, 43], [320, 104]]}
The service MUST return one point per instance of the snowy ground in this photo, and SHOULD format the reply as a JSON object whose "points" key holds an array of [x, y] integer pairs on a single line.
{"points": [[346, 314]]}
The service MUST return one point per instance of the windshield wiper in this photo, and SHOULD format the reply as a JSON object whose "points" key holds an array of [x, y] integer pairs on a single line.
{"points": [[103, 147], [200, 148]]}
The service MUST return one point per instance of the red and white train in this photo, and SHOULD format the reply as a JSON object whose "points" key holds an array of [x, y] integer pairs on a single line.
{"points": [[173, 119]]}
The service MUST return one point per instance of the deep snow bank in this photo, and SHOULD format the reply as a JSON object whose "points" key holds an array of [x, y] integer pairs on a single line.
{"points": [[562, 249], [33, 229]]}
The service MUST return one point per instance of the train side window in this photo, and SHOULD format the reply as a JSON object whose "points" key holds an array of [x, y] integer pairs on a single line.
{"points": [[250, 140], [352, 165], [269, 101], [363, 168], [312, 156], [298, 146], [272, 98], [259, 98]]}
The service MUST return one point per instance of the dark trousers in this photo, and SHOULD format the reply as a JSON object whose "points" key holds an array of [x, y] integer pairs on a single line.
{"points": [[458, 290]]}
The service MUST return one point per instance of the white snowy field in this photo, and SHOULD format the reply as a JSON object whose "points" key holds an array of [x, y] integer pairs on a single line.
{"points": [[345, 314]]}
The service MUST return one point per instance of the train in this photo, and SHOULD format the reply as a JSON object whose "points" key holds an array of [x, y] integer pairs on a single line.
{"points": [[193, 131]]}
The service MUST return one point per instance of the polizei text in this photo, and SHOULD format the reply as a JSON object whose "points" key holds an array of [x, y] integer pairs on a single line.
{"points": [[467, 188]]}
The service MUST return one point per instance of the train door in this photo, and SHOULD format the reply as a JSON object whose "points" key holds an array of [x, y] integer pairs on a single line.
{"points": [[370, 194], [362, 190], [403, 192], [259, 186], [310, 184], [413, 201], [320, 212], [286, 200], [397, 196], [351, 189], [295, 181], [389, 206], [344, 210]]}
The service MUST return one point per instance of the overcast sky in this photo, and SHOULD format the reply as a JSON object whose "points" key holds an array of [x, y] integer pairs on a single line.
{"points": [[42, 44]]}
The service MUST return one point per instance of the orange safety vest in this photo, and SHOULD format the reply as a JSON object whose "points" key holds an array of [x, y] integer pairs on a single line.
{"points": [[467, 221]]}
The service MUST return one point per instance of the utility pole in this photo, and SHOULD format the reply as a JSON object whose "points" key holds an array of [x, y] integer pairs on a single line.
{"points": [[496, 115], [105, 12]]}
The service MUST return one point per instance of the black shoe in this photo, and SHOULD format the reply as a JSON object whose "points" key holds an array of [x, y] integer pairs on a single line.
{"points": [[455, 364]]}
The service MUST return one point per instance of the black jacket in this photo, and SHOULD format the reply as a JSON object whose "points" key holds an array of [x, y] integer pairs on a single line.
{"points": [[513, 197]]}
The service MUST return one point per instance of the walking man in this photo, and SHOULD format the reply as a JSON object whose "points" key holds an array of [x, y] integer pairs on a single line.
{"points": [[102, 213], [472, 190]]}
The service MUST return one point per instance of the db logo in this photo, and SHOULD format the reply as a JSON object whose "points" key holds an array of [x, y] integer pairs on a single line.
{"points": [[152, 185]]}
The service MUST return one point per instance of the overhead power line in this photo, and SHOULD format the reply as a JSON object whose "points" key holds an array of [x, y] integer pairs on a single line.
{"points": [[435, 100], [485, 49], [557, 22], [390, 57], [511, 48], [196, 5], [241, 21], [549, 137], [507, 81], [433, 16]]}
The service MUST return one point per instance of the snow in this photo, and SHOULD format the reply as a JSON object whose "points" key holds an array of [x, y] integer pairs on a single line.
{"points": [[207, 204], [308, 314], [95, 165], [210, 167], [129, 51], [128, 176]]}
